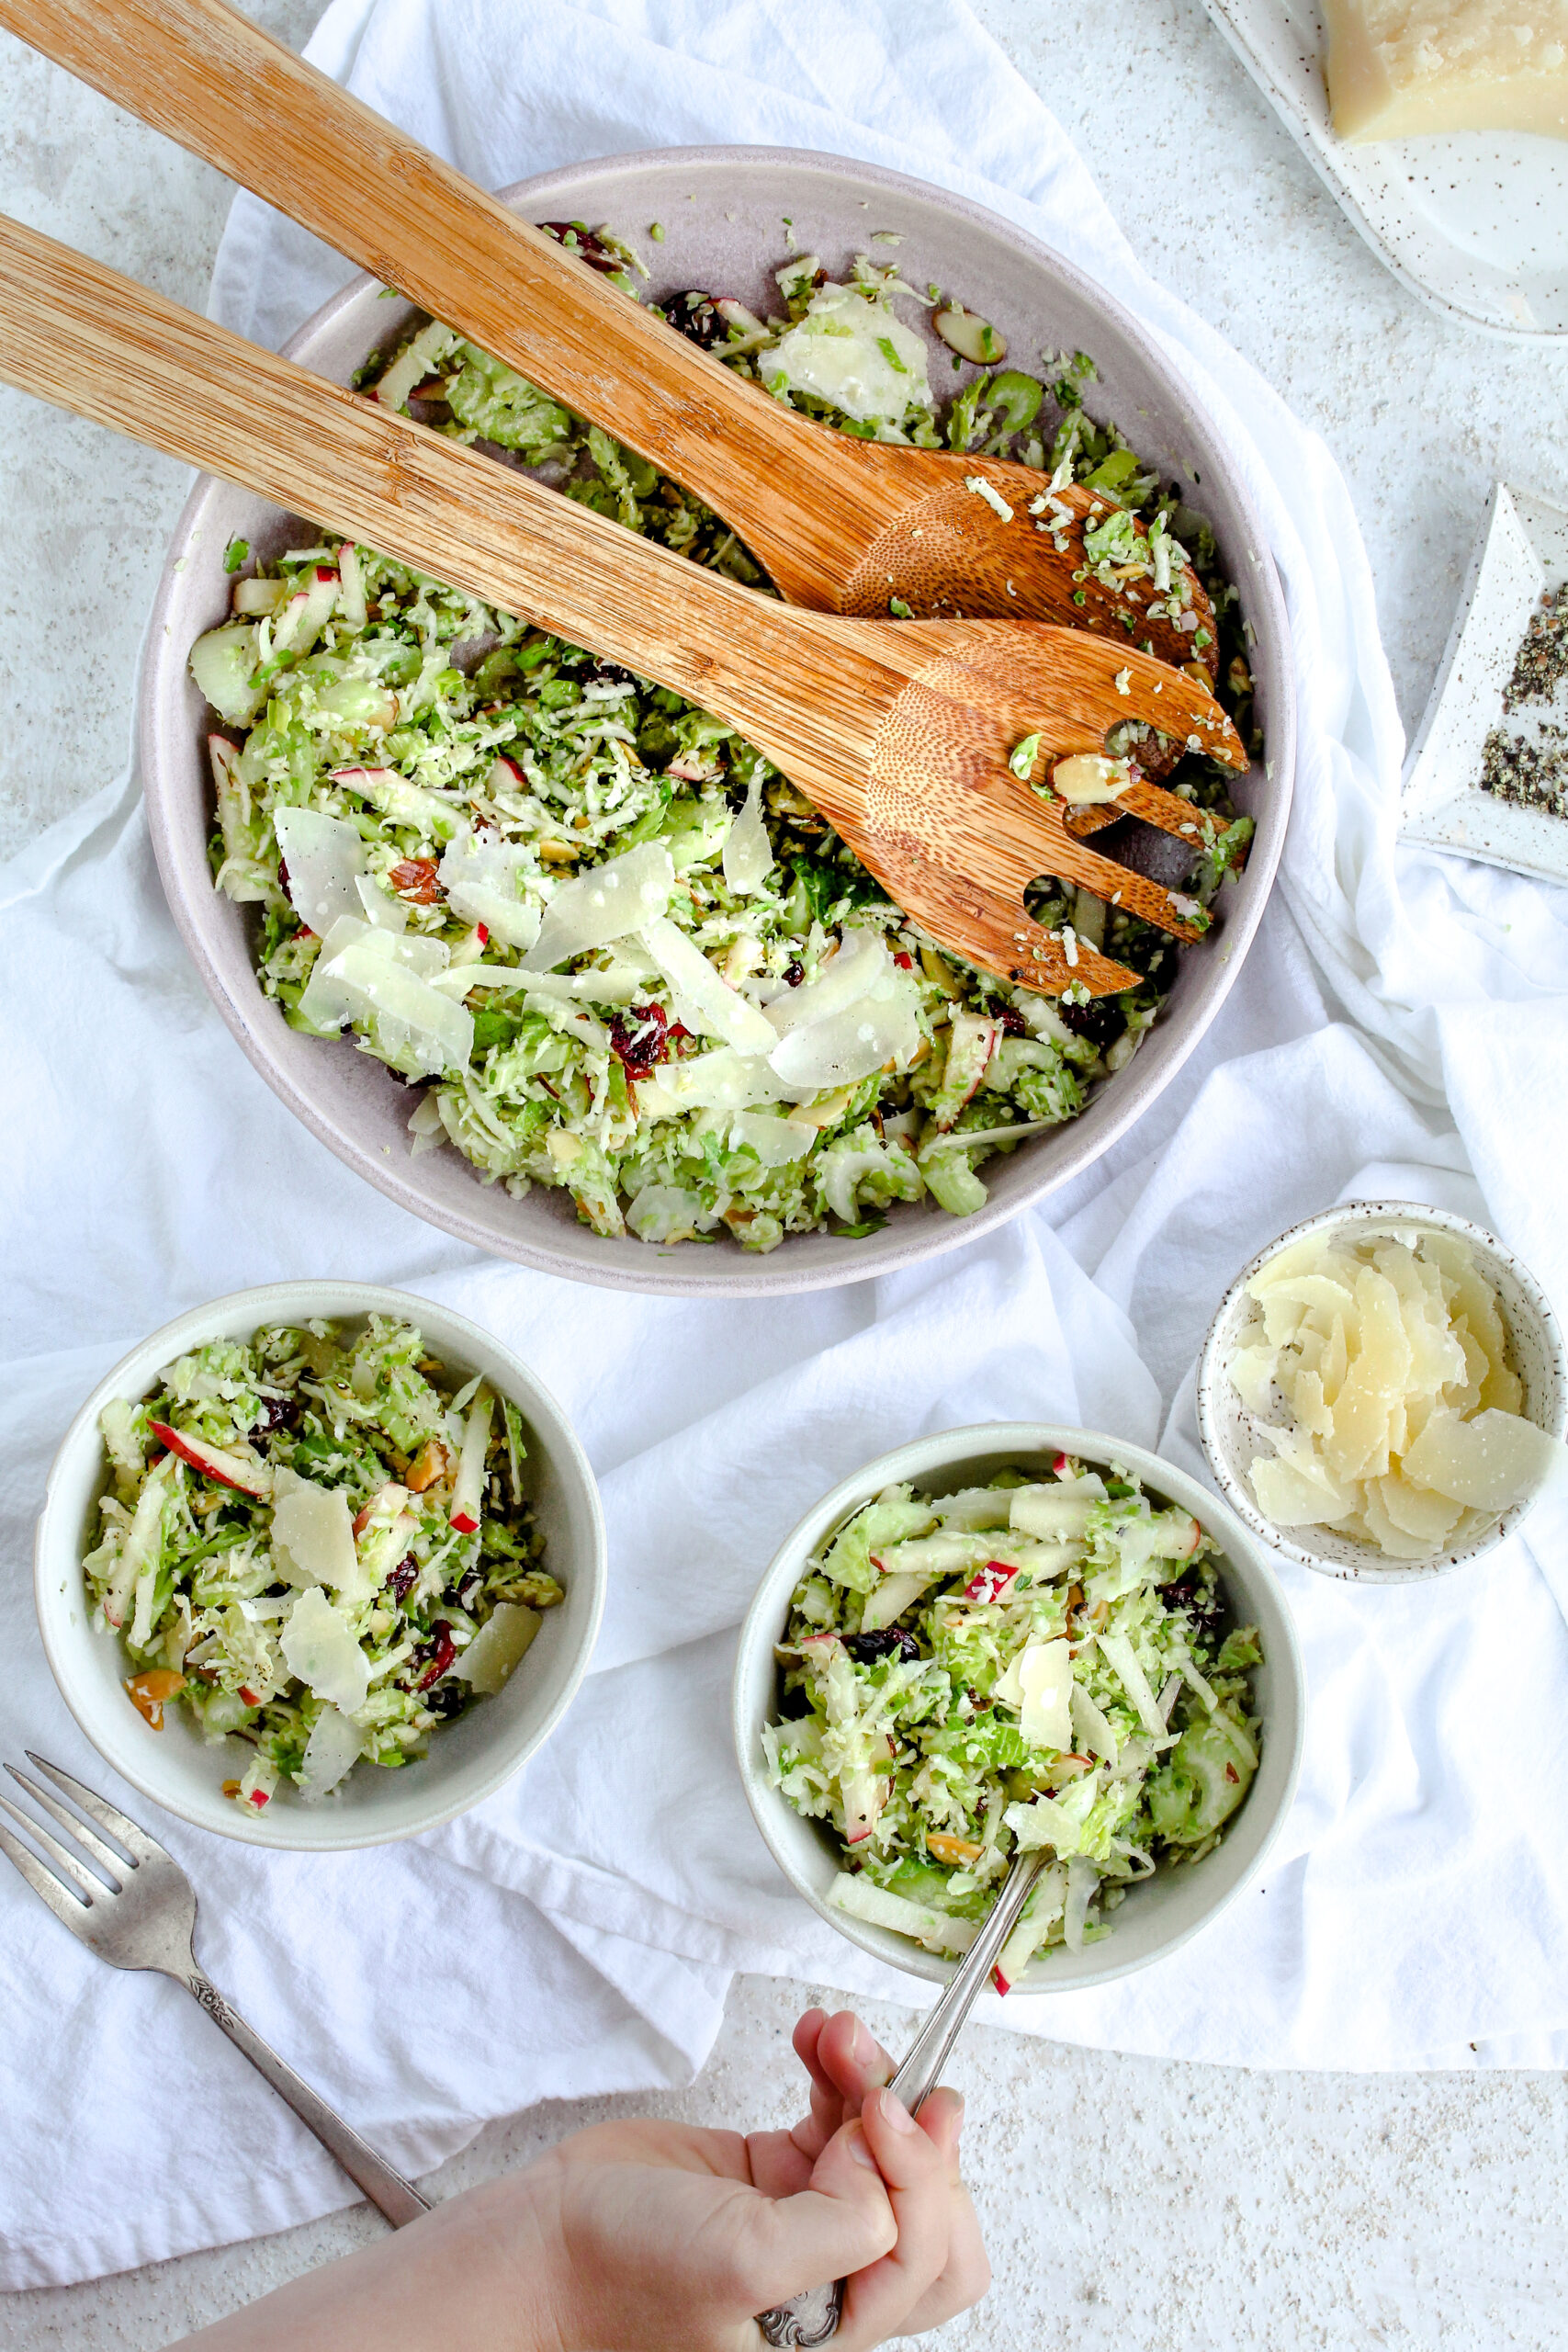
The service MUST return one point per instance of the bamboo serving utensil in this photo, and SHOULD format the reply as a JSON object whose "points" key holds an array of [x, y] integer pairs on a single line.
{"points": [[840, 525], [900, 733]]}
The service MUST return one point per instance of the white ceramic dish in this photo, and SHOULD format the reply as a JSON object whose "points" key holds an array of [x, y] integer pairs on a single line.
{"points": [[1474, 222], [1230, 1434], [1522, 552], [1162, 1912], [723, 212], [471, 1757]]}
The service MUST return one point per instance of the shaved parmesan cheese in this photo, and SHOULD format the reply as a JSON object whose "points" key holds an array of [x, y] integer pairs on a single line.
{"points": [[319, 1648], [851, 1044], [1388, 1351], [1041, 1676], [379, 907], [334, 1746], [706, 1001], [747, 852], [1090, 1727], [606, 903], [846, 977], [312, 1532], [1490, 1462], [858, 1014], [723, 1080], [485, 880], [848, 349], [776, 1142], [495, 1650], [324, 856], [363, 974]]}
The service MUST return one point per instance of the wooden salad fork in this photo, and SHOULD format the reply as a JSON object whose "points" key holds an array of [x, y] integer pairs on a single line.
{"points": [[131, 1903], [840, 525], [900, 733]]}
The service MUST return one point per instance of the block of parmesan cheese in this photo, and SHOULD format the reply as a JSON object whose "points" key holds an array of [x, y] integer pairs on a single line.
{"points": [[1397, 68]]}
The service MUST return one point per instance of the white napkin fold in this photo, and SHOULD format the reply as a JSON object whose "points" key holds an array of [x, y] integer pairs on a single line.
{"points": [[1399, 1029]]}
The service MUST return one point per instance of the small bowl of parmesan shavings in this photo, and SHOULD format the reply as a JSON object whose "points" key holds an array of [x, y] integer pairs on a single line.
{"points": [[1383, 1392]]}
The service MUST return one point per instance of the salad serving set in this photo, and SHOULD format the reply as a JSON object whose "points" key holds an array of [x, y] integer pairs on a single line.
{"points": [[989, 657]]}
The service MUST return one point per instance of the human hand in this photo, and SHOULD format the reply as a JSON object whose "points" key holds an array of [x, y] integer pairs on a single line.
{"points": [[644, 2236], [674, 2238]]}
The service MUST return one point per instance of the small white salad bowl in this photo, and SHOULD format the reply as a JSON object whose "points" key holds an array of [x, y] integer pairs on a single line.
{"points": [[724, 211], [471, 1757], [1230, 1434], [1159, 1914]]}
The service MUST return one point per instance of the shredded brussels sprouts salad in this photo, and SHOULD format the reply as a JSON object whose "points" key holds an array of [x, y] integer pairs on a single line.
{"points": [[1029, 1663], [319, 1545], [614, 951]]}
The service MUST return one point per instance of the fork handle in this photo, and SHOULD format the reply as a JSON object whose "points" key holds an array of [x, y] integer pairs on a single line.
{"points": [[398, 2199], [812, 2316]]}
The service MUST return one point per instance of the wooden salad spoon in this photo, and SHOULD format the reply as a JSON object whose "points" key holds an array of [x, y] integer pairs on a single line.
{"points": [[900, 732], [840, 525]]}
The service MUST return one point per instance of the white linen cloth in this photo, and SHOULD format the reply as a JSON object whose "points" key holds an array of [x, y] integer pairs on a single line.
{"points": [[1400, 1029]]}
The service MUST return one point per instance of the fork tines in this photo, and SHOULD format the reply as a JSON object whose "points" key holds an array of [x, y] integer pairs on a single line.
{"points": [[55, 1885]]}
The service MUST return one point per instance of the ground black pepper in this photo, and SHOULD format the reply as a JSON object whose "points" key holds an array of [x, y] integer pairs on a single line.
{"points": [[1532, 771], [1542, 663]]}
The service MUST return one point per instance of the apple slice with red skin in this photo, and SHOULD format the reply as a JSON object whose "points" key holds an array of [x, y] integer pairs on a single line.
{"points": [[229, 1469], [467, 1490], [990, 1582]]}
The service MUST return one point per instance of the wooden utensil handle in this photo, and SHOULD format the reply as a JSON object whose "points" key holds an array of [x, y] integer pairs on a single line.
{"points": [[210, 79], [81, 335]]}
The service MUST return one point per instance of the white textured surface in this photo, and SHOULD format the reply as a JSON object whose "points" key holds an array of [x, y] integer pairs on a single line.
{"points": [[1129, 2204]]}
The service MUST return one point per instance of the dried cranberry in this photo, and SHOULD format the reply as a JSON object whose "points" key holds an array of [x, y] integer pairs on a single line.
{"points": [[640, 1035], [277, 1413], [695, 315], [608, 673], [1101, 1020], [1202, 1609], [282, 874], [448, 1700], [795, 973], [584, 243], [401, 1583], [1012, 1021], [432, 1657], [889, 1642]]}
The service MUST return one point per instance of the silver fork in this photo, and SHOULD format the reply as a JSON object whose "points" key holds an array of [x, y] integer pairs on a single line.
{"points": [[812, 2316], [141, 1914]]}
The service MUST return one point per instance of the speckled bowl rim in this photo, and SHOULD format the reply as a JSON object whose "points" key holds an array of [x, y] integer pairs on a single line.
{"points": [[1233, 1865], [1211, 1372], [407, 1803], [726, 1270]]}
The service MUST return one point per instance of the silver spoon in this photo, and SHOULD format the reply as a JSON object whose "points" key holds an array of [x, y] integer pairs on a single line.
{"points": [[812, 2316]]}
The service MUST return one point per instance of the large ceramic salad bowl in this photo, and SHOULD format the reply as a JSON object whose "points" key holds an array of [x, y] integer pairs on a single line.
{"points": [[722, 212]]}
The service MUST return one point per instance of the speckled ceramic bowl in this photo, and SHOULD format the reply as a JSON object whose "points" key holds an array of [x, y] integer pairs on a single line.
{"points": [[722, 209], [1161, 1913], [1230, 1434], [469, 1758]]}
